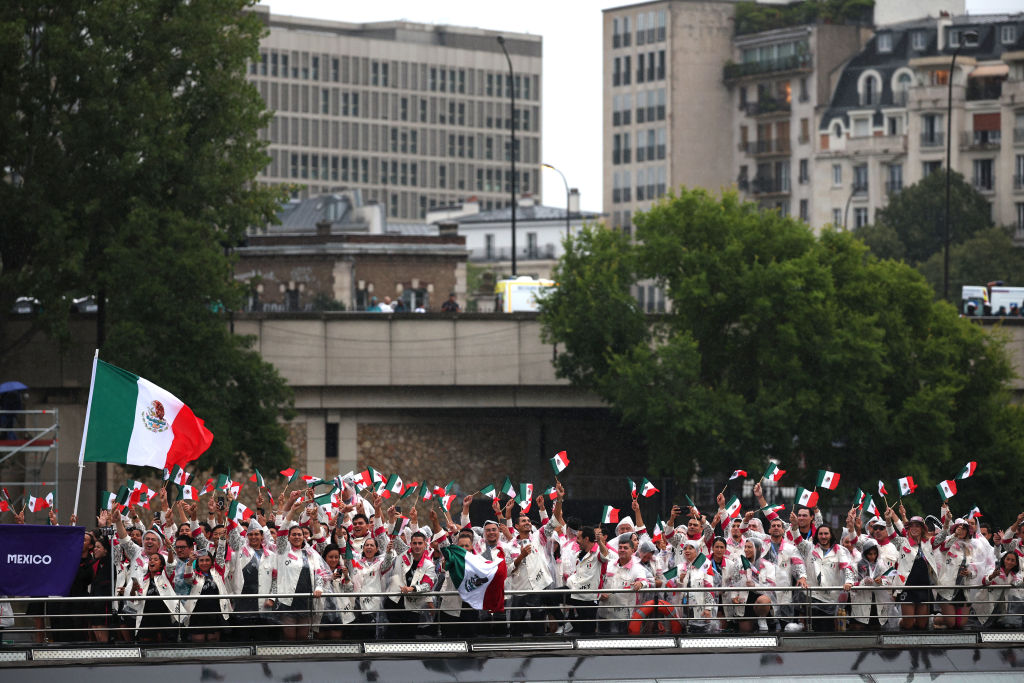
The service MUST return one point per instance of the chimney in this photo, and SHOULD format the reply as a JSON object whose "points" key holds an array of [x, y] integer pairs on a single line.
{"points": [[323, 228], [447, 229], [574, 202]]}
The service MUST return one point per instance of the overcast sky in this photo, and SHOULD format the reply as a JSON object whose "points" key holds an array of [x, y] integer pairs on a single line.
{"points": [[571, 30]]}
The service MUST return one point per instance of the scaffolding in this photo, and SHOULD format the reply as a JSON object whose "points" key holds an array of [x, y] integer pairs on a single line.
{"points": [[35, 438]]}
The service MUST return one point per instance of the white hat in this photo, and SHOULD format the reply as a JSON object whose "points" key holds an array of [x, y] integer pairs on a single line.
{"points": [[623, 522], [254, 524], [876, 521]]}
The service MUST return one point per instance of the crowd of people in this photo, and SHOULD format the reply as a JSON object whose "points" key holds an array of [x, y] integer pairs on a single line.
{"points": [[360, 569]]}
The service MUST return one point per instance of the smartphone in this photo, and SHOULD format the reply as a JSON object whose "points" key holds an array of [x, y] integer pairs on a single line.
{"points": [[220, 503], [398, 509]]}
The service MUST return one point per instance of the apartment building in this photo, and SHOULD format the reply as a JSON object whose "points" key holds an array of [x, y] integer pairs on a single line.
{"points": [[777, 80], [412, 115], [885, 127], [663, 102]]}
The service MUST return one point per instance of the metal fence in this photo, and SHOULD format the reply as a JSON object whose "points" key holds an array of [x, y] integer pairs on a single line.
{"points": [[651, 611]]}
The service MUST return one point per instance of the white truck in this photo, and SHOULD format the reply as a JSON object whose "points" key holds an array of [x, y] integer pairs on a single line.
{"points": [[994, 298], [520, 294]]}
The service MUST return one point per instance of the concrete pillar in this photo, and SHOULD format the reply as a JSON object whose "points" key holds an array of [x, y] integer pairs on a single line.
{"points": [[348, 444], [315, 427]]}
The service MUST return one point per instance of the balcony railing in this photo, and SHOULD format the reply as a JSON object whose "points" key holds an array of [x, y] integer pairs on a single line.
{"points": [[767, 106], [981, 139], [792, 63], [756, 147], [770, 186], [934, 139]]}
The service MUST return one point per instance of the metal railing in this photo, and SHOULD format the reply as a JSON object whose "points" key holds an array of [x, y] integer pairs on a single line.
{"points": [[651, 611]]}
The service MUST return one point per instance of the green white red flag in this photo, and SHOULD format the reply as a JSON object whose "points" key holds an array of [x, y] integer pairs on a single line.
{"points": [[131, 421], [647, 489], [525, 497], [947, 489], [632, 487], [551, 492], [773, 473], [907, 485], [480, 583], [189, 492], [489, 491], [805, 497], [968, 470], [37, 504], [508, 489], [737, 474], [559, 462], [393, 486], [239, 512], [769, 509], [693, 506], [609, 515], [869, 505], [881, 488], [257, 479], [732, 508], [291, 474], [828, 480]]}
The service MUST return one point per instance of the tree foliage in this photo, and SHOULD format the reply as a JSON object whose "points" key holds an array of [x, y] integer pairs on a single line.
{"points": [[912, 226], [988, 255], [754, 17], [778, 345], [129, 141]]}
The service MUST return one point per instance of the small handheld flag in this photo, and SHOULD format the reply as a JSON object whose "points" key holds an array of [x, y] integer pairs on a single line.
{"points": [[257, 479], [551, 492], [647, 489], [737, 474], [907, 486], [768, 510], [693, 506], [632, 487], [881, 489], [773, 473], [968, 470], [489, 491], [947, 489], [732, 508], [508, 489], [805, 497], [828, 480], [559, 462], [609, 515], [975, 512]]}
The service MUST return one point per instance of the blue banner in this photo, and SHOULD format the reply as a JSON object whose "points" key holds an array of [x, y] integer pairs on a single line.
{"points": [[39, 560]]}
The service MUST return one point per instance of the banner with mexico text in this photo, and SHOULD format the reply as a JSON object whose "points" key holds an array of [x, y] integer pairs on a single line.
{"points": [[39, 560]]}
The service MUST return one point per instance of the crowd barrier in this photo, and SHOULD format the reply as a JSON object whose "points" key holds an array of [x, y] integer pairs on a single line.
{"points": [[659, 611]]}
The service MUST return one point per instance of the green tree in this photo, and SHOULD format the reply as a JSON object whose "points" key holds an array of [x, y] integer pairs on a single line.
{"points": [[912, 224], [989, 255], [778, 344], [129, 143]]}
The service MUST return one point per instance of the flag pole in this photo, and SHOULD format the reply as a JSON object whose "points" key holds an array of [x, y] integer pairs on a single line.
{"points": [[85, 432]]}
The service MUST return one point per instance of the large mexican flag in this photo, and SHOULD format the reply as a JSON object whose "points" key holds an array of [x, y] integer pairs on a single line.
{"points": [[132, 421], [480, 583]]}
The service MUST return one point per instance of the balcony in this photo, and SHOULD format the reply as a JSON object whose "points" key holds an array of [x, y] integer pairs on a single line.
{"points": [[767, 106], [933, 139], [765, 186], [980, 139], [733, 72], [765, 147], [877, 144]]}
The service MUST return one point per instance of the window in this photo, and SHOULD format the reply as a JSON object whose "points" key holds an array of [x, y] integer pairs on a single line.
{"points": [[861, 127], [953, 36], [1008, 34], [860, 178], [895, 182], [837, 175], [901, 88], [804, 176], [931, 130], [1018, 172], [627, 70], [805, 131], [860, 216], [489, 247], [919, 40], [803, 210], [837, 217], [929, 167], [870, 90], [894, 125], [616, 71], [984, 180], [885, 42], [1020, 218]]}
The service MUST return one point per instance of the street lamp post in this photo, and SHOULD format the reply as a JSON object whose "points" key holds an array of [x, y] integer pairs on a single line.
{"points": [[964, 38], [568, 229], [512, 149]]}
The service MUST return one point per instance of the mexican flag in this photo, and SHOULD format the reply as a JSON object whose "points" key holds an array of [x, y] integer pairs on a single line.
{"points": [[551, 492], [508, 489], [108, 499], [702, 563], [239, 512], [689, 501], [207, 487], [773, 473], [425, 493], [609, 515], [671, 573], [647, 489], [394, 486], [632, 487], [291, 474], [975, 512], [805, 497], [869, 505], [659, 529], [907, 486], [410, 489], [770, 509], [881, 488], [257, 479], [947, 489], [447, 500], [489, 491], [737, 474], [525, 496], [37, 504], [177, 475], [559, 462], [828, 480], [732, 508], [131, 421], [859, 499], [967, 471], [479, 582], [310, 480], [189, 492], [124, 494]]}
